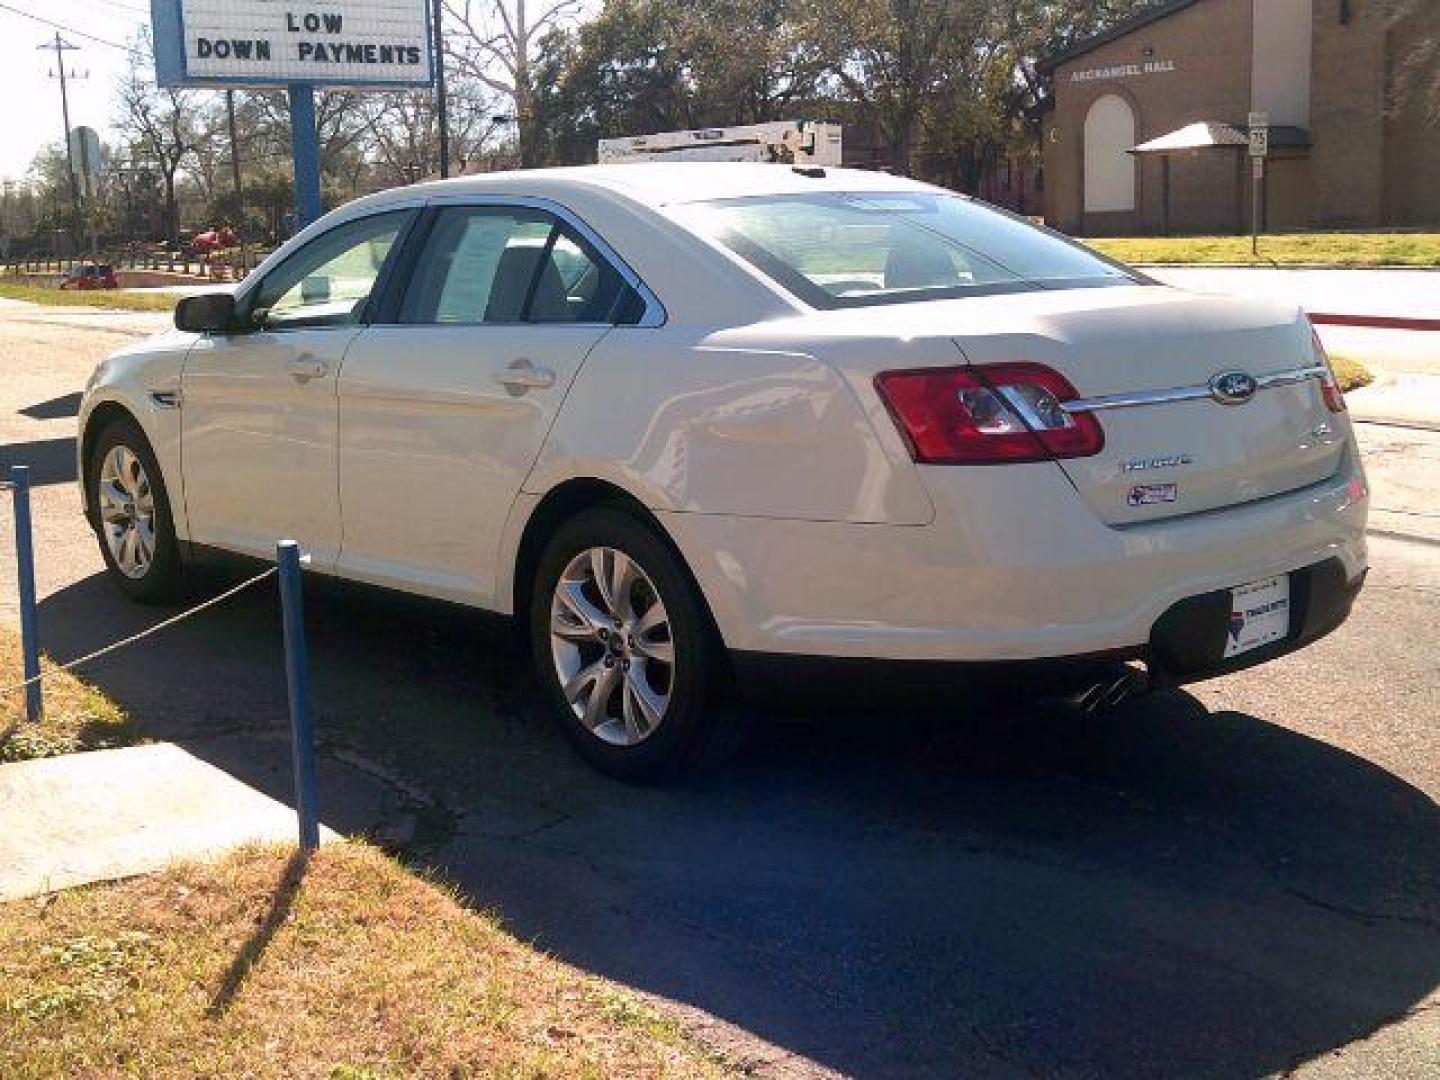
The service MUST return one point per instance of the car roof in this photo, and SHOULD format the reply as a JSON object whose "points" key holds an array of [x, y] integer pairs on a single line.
{"points": [[670, 182]]}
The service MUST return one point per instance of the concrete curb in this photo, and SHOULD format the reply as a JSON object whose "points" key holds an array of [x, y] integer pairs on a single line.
{"points": [[1277, 266], [1375, 322]]}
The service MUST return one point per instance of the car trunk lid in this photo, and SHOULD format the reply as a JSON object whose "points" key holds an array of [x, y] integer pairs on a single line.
{"points": [[1205, 402]]}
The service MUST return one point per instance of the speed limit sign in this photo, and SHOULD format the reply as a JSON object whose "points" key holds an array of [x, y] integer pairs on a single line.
{"points": [[1259, 134]]}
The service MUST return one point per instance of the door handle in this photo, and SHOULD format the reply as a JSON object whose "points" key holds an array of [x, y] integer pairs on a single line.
{"points": [[522, 375], [306, 367]]}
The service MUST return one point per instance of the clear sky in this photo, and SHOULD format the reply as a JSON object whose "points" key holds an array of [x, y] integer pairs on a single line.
{"points": [[30, 100]]}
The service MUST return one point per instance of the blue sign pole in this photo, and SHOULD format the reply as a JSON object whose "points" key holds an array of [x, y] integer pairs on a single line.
{"points": [[297, 679], [305, 149], [25, 567]]}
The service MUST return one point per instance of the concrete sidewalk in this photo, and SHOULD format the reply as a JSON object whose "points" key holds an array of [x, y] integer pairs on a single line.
{"points": [[1403, 400], [1395, 293], [108, 814]]}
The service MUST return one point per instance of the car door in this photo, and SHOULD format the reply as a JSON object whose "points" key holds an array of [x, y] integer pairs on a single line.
{"points": [[444, 407], [258, 406]]}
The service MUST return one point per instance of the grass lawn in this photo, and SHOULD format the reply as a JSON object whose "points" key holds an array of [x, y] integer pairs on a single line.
{"points": [[348, 967], [77, 717], [96, 298], [1325, 249]]}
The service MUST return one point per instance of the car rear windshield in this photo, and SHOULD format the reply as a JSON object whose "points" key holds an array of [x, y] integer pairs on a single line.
{"points": [[836, 250]]}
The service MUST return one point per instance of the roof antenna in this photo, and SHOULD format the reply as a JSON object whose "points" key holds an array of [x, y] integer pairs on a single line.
{"points": [[815, 172]]}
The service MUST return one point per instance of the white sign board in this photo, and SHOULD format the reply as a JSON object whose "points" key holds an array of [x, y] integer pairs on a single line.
{"points": [[1259, 134], [264, 42]]}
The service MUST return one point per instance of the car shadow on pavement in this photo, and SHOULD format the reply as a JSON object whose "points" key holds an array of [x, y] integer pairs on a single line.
{"points": [[1150, 891], [54, 409], [51, 461]]}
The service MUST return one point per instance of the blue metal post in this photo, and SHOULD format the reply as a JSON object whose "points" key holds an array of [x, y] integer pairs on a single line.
{"points": [[297, 678], [25, 569], [305, 150]]}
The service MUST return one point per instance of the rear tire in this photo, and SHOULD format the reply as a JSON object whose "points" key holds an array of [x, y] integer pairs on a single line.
{"points": [[624, 649], [130, 512]]}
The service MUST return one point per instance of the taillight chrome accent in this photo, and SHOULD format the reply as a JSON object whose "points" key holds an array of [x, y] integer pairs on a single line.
{"points": [[1329, 385], [987, 415]]}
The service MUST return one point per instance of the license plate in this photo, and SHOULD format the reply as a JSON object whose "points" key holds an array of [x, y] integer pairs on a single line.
{"points": [[1259, 615]]}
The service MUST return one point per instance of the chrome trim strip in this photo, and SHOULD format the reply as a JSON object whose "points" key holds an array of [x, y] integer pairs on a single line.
{"points": [[1294, 375], [1185, 393], [1139, 397], [654, 313]]}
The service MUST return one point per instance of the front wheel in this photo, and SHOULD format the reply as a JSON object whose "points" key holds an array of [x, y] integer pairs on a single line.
{"points": [[131, 514], [624, 648]]}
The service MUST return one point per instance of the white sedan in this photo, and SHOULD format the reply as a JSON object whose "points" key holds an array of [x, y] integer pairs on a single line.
{"points": [[686, 421]]}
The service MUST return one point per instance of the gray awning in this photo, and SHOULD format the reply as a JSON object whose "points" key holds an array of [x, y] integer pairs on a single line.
{"points": [[1217, 135], [1202, 135]]}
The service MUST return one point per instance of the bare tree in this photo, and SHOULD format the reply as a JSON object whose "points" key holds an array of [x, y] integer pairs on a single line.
{"points": [[163, 124], [496, 43]]}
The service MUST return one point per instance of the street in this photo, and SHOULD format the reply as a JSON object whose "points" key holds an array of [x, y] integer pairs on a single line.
{"points": [[1243, 880]]}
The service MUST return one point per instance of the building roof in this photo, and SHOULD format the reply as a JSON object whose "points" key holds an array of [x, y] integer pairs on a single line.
{"points": [[1140, 19]]}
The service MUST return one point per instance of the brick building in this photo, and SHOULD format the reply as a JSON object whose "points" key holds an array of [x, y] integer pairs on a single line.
{"points": [[1146, 130]]}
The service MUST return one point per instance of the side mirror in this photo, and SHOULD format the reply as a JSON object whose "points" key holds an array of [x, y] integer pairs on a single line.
{"points": [[208, 313]]}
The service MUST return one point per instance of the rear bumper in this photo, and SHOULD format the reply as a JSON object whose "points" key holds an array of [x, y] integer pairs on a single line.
{"points": [[1188, 642], [1186, 645], [1037, 577]]}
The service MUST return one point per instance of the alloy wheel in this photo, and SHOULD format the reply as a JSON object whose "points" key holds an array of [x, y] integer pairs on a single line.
{"points": [[126, 505], [611, 642]]}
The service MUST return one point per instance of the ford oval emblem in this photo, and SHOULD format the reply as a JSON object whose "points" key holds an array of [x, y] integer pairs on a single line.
{"points": [[1233, 387]]}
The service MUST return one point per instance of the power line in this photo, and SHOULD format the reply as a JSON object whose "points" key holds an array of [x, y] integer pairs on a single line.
{"points": [[112, 4], [71, 30]]}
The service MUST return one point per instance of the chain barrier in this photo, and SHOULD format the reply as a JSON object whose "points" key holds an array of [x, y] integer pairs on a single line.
{"points": [[288, 567], [143, 634]]}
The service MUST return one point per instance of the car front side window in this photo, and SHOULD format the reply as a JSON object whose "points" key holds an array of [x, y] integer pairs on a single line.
{"points": [[329, 281], [512, 264]]}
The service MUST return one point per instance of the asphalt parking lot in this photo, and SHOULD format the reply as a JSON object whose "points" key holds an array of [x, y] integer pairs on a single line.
{"points": [[1239, 881]]}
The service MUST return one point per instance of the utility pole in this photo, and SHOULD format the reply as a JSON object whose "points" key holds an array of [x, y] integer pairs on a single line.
{"points": [[442, 110], [61, 47], [234, 147]]}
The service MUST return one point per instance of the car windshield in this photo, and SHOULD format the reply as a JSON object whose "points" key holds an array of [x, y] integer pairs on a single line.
{"points": [[850, 250]]}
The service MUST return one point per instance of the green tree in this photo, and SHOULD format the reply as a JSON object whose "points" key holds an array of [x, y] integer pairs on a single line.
{"points": [[657, 65]]}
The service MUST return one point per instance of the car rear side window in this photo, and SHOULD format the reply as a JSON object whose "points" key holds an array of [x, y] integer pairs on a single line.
{"points": [[840, 249], [503, 264]]}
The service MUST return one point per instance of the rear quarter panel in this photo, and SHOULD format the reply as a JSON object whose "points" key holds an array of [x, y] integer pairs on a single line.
{"points": [[708, 424]]}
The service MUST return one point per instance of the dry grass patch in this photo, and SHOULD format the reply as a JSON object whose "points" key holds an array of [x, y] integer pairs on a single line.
{"points": [[113, 299], [77, 716], [1350, 372], [1322, 249], [263, 966]]}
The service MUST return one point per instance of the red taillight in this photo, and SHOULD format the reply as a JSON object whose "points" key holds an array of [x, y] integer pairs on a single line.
{"points": [[1329, 385], [987, 415]]}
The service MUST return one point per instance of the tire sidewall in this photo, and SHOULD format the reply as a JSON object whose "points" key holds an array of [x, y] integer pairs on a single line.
{"points": [[161, 581], [677, 741]]}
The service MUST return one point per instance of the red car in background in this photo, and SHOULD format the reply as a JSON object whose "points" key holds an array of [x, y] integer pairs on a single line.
{"points": [[90, 276], [214, 240]]}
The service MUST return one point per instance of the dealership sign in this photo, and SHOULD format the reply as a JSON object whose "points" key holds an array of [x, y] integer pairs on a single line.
{"points": [[375, 43]]}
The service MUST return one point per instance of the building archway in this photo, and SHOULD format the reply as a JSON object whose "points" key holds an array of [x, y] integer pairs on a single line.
{"points": [[1109, 181]]}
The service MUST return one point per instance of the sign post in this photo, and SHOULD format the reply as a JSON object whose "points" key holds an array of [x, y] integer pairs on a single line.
{"points": [[1259, 123], [305, 151], [357, 44]]}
